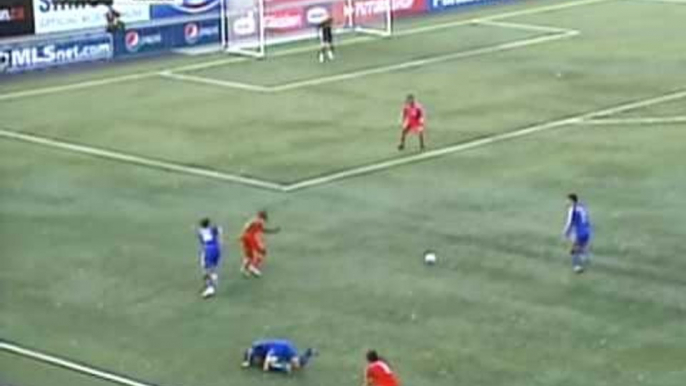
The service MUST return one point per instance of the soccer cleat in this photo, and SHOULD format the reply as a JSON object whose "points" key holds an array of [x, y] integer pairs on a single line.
{"points": [[330, 54], [208, 292], [401, 147], [245, 364], [578, 269], [321, 58], [256, 272]]}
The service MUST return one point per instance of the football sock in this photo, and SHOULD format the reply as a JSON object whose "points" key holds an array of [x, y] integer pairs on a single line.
{"points": [[577, 260]]}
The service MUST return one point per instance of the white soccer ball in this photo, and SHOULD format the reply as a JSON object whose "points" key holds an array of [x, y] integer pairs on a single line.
{"points": [[430, 257]]}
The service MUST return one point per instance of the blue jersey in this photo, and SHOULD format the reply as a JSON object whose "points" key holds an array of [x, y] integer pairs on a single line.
{"points": [[210, 245], [578, 222], [282, 349]]}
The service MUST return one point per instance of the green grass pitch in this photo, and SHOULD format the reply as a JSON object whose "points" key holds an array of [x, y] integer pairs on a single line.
{"points": [[98, 257]]}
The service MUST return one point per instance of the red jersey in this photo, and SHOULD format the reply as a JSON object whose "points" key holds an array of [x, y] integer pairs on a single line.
{"points": [[380, 374], [253, 231], [413, 115]]}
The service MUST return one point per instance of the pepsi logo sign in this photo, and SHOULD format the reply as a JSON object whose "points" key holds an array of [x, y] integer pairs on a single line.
{"points": [[191, 33], [132, 40], [196, 6]]}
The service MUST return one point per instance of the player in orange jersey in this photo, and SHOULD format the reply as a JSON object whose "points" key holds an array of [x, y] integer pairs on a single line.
{"points": [[378, 372], [413, 121], [254, 248]]}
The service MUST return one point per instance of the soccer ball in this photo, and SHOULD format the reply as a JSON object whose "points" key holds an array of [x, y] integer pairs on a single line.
{"points": [[430, 257]]}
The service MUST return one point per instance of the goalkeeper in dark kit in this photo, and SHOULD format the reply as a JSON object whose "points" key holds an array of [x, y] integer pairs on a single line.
{"points": [[326, 40]]}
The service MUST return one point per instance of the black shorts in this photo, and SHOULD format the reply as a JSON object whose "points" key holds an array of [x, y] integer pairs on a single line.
{"points": [[327, 35]]}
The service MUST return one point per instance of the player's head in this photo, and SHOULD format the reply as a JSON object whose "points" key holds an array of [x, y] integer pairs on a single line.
{"points": [[573, 198], [409, 99], [263, 215], [205, 222], [372, 356]]}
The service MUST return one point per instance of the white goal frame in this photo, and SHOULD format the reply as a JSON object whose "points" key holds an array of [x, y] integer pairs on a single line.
{"points": [[257, 13]]}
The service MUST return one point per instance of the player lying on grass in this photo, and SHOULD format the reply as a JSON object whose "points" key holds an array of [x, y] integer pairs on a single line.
{"points": [[278, 355], [326, 40], [413, 121], [254, 248], [378, 372], [209, 236], [578, 229]]}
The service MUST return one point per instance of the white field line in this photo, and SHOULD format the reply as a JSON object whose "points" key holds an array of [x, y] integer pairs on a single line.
{"points": [[220, 62], [215, 82], [482, 142], [353, 172], [75, 86], [138, 160], [677, 2], [406, 32], [635, 121], [422, 62], [67, 364], [525, 27]]}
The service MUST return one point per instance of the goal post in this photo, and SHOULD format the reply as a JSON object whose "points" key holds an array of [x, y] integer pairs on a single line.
{"points": [[371, 17], [249, 27], [242, 27]]}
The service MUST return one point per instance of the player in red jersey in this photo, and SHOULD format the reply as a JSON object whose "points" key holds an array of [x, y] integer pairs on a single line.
{"points": [[254, 248], [413, 121], [378, 372]]}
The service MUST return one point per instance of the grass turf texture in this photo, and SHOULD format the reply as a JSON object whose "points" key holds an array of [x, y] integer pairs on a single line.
{"points": [[98, 257]]}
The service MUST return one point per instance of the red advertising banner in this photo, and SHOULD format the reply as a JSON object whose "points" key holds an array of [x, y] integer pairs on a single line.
{"points": [[366, 10]]}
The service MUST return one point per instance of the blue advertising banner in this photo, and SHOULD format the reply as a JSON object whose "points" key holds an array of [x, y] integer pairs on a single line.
{"points": [[36, 55], [196, 33], [444, 5], [140, 40], [157, 39], [185, 8]]}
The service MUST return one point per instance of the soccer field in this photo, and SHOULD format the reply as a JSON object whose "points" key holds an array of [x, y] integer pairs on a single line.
{"points": [[105, 172]]}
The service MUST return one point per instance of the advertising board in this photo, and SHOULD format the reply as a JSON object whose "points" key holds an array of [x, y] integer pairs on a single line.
{"points": [[37, 55], [444, 5], [59, 16], [16, 18], [178, 8]]}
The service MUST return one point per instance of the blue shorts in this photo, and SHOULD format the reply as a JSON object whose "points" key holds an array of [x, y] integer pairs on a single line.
{"points": [[581, 241], [210, 258]]}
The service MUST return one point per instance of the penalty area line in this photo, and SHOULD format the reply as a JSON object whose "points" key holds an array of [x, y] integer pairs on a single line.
{"points": [[635, 121], [75, 86], [526, 131], [214, 82], [75, 366], [139, 160], [424, 62]]}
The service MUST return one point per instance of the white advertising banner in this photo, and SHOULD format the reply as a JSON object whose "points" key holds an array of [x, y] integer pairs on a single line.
{"points": [[63, 16]]}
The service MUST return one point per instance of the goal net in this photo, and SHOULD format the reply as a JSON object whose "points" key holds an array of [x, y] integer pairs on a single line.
{"points": [[249, 26]]}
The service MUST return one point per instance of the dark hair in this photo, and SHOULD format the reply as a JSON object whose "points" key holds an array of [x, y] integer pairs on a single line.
{"points": [[573, 197], [205, 222], [262, 214], [372, 356]]}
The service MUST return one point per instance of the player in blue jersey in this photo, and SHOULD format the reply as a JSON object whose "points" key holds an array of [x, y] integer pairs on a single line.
{"points": [[210, 255], [276, 355], [578, 230]]}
